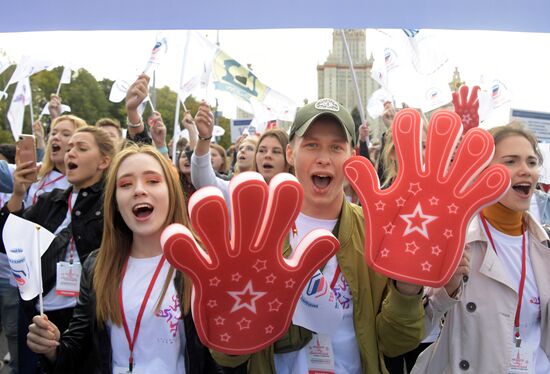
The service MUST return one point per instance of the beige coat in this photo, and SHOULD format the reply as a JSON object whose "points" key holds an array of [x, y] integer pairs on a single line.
{"points": [[477, 334]]}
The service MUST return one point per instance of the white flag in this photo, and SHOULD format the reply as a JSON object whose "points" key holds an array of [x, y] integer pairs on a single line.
{"points": [[27, 67], [46, 112], [159, 50], [4, 63], [20, 241], [16, 113], [66, 76]]}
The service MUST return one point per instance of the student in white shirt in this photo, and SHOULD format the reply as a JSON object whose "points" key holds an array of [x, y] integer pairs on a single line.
{"points": [[128, 277]]}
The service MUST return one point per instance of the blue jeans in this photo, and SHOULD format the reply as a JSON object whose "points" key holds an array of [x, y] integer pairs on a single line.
{"points": [[9, 310]]}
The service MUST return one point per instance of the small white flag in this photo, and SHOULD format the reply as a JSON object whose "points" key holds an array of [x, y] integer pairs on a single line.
{"points": [[22, 251], [16, 113], [46, 112], [66, 76], [27, 67]]}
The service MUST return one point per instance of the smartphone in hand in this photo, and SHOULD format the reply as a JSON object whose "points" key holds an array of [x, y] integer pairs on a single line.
{"points": [[26, 146]]}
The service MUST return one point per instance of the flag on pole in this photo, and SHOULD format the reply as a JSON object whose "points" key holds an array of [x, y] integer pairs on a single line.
{"points": [[159, 49], [4, 63], [16, 113], [46, 112], [23, 253], [66, 76], [27, 67]]}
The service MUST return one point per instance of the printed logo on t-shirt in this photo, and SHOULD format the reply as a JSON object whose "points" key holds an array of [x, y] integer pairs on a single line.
{"points": [[172, 315], [342, 290]]}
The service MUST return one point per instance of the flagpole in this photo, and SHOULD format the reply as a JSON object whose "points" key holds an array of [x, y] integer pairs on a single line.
{"points": [[30, 105], [178, 103], [359, 101], [59, 85], [39, 263]]}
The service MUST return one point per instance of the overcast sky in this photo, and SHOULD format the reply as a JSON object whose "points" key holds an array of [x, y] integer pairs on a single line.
{"points": [[286, 59]]}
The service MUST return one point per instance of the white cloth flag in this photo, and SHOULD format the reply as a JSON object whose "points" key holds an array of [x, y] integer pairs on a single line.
{"points": [[16, 113], [121, 86], [20, 241], [66, 76], [494, 102], [27, 67], [4, 63], [46, 112]]}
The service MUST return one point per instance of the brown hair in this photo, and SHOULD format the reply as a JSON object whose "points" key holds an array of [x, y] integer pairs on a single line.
{"points": [[117, 238], [47, 164], [253, 140], [221, 151], [518, 129], [282, 138]]}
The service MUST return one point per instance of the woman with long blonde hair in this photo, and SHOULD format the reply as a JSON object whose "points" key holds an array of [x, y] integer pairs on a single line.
{"points": [[133, 312], [51, 174]]}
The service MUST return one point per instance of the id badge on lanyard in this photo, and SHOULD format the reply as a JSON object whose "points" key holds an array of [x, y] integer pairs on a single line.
{"points": [[522, 361], [125, 370], [68, 279], [320, 356]]}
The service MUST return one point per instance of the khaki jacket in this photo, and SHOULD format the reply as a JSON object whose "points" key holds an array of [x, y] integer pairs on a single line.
{"points": [[386, 322], [478, 329]]}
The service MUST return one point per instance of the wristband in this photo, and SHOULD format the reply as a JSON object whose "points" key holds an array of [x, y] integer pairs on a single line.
{"points": [[163, 149], [134, 125], [205, 138]]}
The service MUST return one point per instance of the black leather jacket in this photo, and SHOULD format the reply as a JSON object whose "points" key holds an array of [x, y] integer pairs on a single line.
{"points": [[50, 211], [85, 335]]}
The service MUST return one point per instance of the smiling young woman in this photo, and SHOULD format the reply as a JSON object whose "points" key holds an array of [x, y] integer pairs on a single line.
{"points": [[74, 215], [504, 306], [133, 312]]}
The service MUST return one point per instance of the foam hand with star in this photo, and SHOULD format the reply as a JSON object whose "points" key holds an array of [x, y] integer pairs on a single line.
{"points": [[467, 106], [415, 230], [244, 290]]}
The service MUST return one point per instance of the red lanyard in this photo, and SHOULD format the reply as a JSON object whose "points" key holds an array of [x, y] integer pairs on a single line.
{"points": [[71, 240], [44, 185], [132, 340], [522, 278]]}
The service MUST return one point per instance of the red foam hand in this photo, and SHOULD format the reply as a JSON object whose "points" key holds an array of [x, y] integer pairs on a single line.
{"points": [[415, 230], [467, 107], [244, 290]]}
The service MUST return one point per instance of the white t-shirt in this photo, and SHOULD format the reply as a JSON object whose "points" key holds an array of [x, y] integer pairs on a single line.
{"points": [[5, 270], [53, 301], [53, 179], [509, 252], [161, 339], [344, 344]]}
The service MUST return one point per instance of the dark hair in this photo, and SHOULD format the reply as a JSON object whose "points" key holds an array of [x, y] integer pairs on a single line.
{"points": [[8, 151], [516, 128]]}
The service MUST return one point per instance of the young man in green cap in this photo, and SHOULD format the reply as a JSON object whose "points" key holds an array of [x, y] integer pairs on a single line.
{"points": [[380, 316]]}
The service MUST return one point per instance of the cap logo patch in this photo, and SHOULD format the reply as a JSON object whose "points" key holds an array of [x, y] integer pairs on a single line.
{"points": [[327, 104]]}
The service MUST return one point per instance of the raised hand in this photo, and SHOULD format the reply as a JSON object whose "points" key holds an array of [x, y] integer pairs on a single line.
{"points": [[467, 107], [158, 129], [415, 230], [244, 290]]}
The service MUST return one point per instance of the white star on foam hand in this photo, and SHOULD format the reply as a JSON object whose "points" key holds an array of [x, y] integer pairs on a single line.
{"points": [[436, 251], [260, 265], [466, 118], [244, 324], [219, 320], [452, 209], [249, 295], [269, 329], [274, 305], [434, 200], [214, 282], [270, 278], [235, 277], [426, 266], [411, 247], [380, 205], [385, 252], [414, 188], [400, 201], [417, 214], [388, 229], [212, 303], [225, 337], [448, 233], [290, 283]]}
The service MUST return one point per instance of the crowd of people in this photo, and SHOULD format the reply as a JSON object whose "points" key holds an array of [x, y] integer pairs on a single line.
{"points": [[108, 199]]}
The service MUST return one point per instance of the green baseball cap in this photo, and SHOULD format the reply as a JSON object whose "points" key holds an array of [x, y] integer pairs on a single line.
{"points": [[307, 114]]}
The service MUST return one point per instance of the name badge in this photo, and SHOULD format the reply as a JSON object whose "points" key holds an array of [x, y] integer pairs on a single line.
{"points": [[124, 370], [68, 279], [320, 357], [522, 360]]}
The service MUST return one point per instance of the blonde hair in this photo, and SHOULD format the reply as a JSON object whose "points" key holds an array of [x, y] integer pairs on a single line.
{"points": [[117, 237], [47, 164]]}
